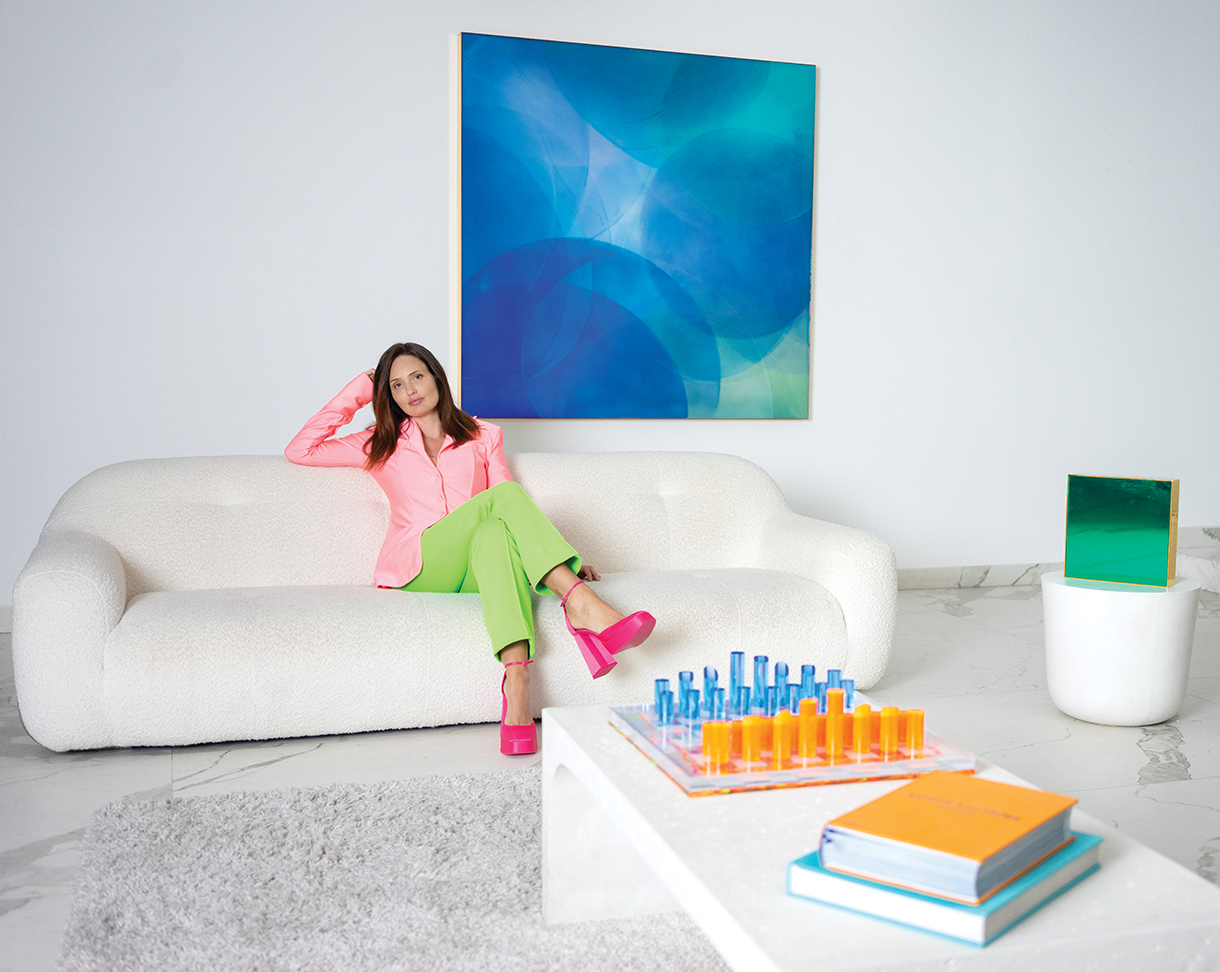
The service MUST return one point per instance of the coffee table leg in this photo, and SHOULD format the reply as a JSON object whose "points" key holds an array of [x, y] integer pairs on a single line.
{"points": [[589, 869]]}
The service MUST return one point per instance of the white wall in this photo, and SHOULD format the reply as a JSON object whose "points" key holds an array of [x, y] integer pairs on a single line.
{"points": [[213, 214]]}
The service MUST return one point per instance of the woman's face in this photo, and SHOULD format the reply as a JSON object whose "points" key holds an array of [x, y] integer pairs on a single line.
{"points": [[413, 387]]}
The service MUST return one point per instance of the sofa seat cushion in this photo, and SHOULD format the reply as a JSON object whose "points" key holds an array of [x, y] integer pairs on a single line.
{"points": [[186, 667], [269, 662]]}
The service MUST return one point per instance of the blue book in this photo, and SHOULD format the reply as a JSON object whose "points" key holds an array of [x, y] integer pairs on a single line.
{"points": [[974, 924]]}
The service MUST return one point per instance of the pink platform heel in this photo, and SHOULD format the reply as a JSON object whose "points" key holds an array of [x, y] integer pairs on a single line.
{"points": [[515, 740], [629, 632], [591, 648], [626, 633]]}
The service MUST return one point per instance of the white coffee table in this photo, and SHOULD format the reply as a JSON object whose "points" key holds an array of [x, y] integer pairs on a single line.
{"points": [[619, 838]]}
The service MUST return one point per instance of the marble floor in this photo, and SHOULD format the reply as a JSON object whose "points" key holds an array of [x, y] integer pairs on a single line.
{"points": [[972, 657]]}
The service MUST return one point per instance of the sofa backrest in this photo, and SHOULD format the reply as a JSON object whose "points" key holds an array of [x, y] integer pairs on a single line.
{"points": [[258, 521]]}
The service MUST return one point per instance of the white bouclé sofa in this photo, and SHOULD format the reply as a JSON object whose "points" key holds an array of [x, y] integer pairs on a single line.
{"points": [[178, 601]]}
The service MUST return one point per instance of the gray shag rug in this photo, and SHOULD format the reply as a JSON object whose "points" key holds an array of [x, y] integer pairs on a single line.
{"points": [[438, 872]]}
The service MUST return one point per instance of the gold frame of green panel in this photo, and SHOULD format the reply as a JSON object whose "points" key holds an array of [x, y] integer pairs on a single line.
{"points": [[1121, 530]]}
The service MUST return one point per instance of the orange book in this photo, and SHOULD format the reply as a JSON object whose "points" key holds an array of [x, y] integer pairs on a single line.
{"points": [[948, 834]]}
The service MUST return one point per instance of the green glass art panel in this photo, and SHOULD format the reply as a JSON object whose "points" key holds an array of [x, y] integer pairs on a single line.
{"points": [[1122, 530]]}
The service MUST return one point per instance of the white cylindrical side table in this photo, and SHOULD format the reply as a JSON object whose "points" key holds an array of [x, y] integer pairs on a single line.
{"points": [[1117, 654]]}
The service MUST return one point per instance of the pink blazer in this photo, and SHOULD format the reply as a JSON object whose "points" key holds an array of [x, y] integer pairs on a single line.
{"points": [[419, 492]]}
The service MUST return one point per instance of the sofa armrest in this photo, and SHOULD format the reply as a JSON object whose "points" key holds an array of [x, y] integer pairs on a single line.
{"points": [[856, 567], [66, 601]]}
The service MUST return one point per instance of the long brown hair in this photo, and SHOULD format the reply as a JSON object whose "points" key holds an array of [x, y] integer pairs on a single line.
{"points": [[390, 417]]}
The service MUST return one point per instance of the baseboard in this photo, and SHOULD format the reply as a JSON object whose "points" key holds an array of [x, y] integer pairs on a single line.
{"points": [[1198, 559], [1199, 538], [6, 619], [993, 575]]}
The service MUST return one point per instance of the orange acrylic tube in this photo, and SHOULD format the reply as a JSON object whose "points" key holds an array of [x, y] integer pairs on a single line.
{"points": [[751, 738], [735, 738], [889, 731], [807, 729], [862, 734], [914, 730], [716, 737], [783, 729], [834, 735]]}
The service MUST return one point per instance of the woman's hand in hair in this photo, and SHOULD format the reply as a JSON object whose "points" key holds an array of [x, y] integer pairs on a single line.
{"points": [[371, 372], [588, 573]]}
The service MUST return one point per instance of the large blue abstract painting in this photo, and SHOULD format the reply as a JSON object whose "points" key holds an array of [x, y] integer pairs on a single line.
{"points": [[636, 232]]}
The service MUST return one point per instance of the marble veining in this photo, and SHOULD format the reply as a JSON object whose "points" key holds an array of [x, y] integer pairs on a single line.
{"points": [[964, 601], [1204, 570], [206, 775], [970, 654], [1209, 859], [1163, 746], [988, 575], [32, 870]]}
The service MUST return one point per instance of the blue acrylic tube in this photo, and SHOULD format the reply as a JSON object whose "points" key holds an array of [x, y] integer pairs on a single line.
{"points": [[834, 678], [659, 686], [809, 679], [781, 680], [665, 708], [772, 700], [794, 698], [737, 673], [719, 713], [745, 701], [711, 682], [686, 681], [760, 681], [820, 695], [849, 693], [692, 705]]}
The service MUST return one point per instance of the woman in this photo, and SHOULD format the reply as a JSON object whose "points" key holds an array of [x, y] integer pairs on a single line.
{"points": [[458, 523]]}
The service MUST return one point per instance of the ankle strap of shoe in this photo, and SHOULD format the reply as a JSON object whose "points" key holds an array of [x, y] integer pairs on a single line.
{"points": [[564, 600], [530, 662]]}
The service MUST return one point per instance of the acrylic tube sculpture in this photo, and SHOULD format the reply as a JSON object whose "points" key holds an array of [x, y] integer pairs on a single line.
{"points": [[779, 732]]}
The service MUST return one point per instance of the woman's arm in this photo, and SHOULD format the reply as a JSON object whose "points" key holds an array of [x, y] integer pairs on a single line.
{"points": [[497, 461], [313, 445]]}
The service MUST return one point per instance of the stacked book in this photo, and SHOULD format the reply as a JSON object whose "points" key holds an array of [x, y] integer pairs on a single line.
{"points": [[949, 853]]}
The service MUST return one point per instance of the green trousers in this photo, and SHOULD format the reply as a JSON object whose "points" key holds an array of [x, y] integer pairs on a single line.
{"points": [[498, 545]]}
